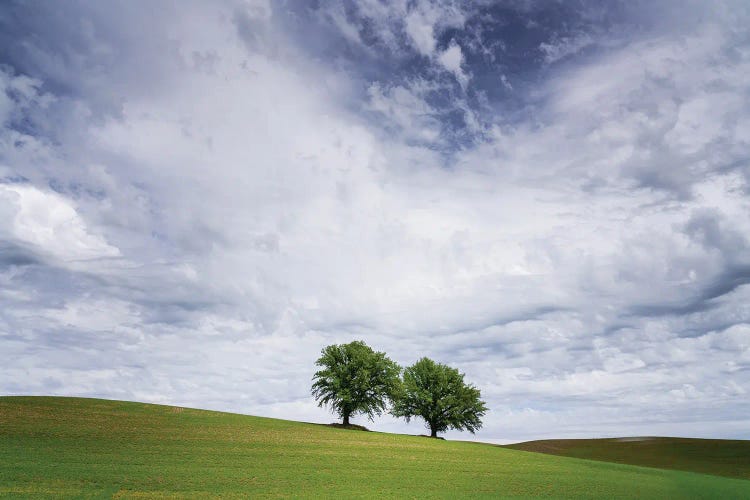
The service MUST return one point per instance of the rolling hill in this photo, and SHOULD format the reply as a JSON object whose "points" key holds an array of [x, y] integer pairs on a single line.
{"points": [[722, 457], [86, 448]]}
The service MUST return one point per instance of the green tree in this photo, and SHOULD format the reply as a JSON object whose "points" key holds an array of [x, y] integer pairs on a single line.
{"points": [[437, 393], [355, 379]]}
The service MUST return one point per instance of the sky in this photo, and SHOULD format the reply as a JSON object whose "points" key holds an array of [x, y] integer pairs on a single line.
{"points": [[551, 196]]}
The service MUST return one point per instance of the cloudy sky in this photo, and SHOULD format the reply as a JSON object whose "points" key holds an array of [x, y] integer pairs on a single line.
{"points": [[553, 197]]}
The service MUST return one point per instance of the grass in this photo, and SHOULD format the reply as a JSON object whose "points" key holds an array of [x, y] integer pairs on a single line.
{"points": [[87, 448], [722, 457]]}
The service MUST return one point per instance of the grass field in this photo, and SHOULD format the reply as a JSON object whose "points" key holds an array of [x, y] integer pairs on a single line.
{"points": [[723, 457], [64, 447]]}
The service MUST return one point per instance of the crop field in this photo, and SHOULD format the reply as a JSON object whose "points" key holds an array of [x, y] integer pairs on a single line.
{"points": [[87, 448]]}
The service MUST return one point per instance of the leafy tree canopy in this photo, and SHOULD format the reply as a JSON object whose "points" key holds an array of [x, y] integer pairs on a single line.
{"points": [[354, 379], [437, 393]]}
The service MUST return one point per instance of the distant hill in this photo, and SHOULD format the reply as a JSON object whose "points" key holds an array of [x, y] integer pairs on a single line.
{"points": [[84, 448], [722, 457]]}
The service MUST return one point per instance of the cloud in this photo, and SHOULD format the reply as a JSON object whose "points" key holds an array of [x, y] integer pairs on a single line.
{"points": [[190, 206], [421, 30], [565, 47], [50, 224], [452, 59], [386, 25], [408, 110]]}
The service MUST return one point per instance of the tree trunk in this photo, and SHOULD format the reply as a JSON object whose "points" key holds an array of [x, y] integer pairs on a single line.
{"points": [[433, 432], [346, 419]]}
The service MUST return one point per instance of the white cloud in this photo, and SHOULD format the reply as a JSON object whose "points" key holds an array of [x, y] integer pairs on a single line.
{"points": [[421, 30], [408, 110], [451, 59], [421, 23], [49, 223], [565, 47], [584, 265]]}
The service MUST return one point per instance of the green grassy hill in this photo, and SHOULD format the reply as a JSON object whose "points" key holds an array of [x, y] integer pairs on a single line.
{"points": [[722, 457], [65, 447]]}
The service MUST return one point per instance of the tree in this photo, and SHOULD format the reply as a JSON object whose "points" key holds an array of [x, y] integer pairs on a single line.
{"points": [[355, 379], [437, 393]]}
